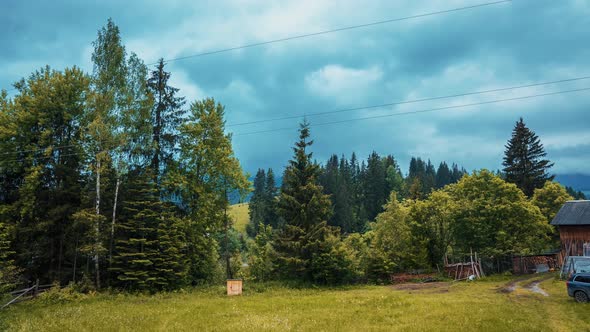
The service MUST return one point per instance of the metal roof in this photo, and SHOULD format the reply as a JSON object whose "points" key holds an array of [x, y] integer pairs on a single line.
{"points": [[573, 213]]}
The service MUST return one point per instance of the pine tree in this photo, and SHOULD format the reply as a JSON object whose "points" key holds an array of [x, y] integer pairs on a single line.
{"points": [[257, 205], [359, 215], [136, 246], [575, 194], [395, 179], [270, 195], [171, 264], [524, 163], [456, 173], [8, 271], [443, 175], [166, 116], [375, 186], [305, 210], [429, 181]]}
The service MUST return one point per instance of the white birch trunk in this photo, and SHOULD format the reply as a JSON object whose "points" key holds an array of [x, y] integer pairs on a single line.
{"points": [[96, 224]]}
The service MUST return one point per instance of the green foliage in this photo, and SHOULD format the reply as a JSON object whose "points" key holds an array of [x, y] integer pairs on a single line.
{"points": [[357, 250], [331, 261], [575, 194], [523, 161], [207, 171], [171, 263], [262, 255], [59, 295], [136, 244], [166, 115], [493, 217], [307, 248], [263, 204], [550, 198], [393, 247], [432, 220], [8, 271]]}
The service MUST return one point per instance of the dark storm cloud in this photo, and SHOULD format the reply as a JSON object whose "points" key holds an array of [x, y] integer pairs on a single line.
{"points": [[496, 46]]}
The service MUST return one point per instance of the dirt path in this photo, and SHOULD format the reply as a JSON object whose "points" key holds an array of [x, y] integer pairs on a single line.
{"points": [[432, 287], [531, 285]]}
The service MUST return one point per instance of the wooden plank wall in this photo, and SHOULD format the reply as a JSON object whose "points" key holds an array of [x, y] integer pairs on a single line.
{"points": [[572, 241]]}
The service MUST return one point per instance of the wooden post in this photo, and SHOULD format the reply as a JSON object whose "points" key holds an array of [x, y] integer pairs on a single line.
{"points": [[36, 289]]}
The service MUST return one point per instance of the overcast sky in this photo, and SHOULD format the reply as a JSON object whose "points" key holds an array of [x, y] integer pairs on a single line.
{"points": [[509, 44]]}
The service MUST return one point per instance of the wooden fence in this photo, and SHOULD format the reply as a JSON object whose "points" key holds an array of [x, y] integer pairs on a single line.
{"points": [[27, 293]]}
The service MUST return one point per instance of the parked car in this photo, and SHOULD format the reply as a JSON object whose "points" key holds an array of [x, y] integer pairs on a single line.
{"points": [[578, 287]]}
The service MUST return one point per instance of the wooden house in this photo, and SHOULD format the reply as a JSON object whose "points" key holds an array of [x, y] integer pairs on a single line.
{"points": [[573, 222]]}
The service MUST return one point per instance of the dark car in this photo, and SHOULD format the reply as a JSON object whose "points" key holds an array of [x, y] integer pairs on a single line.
{"points": [[578, 287]]}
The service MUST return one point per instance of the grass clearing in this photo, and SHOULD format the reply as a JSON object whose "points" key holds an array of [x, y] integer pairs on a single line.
{"points": [[239, 214], [479, 306]]}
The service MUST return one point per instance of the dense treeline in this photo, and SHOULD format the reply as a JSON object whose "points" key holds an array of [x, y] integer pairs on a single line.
{"points": [[107, 179], [358, 190]]}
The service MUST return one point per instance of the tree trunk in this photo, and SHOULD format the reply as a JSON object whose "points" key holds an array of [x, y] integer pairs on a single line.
{"points": [[96, 224], [75, 260], [59, 259], [114, 220], [229, 273]]}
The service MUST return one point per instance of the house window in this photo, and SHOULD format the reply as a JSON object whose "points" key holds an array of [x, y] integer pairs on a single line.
{"points": [[587, 249]]}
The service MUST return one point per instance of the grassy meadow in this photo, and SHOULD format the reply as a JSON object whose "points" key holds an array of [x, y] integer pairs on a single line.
{"points": [[239, 214], [494, 304]]}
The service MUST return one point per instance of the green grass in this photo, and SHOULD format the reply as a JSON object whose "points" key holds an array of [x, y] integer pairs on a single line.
{"points": [[239, 214], [477, 306]]}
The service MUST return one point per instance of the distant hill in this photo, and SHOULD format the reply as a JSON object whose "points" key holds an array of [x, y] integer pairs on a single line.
{"points": [[234, 197], [577, 181], [239, 214]]}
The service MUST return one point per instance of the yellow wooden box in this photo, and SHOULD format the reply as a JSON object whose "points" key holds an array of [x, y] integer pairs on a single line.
{"points": [[234, 286]]}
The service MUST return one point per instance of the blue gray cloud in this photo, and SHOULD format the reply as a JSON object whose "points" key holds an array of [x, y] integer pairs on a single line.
{"points": [[496, 46]]}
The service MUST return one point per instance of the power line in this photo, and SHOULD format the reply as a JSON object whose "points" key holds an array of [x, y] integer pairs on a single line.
{"points": [[446, 11], [365, 25], [408, 101], [419, 111], [381, 116], [352, 109]]}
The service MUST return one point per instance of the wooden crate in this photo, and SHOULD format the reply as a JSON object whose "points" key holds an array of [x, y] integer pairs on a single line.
{"points": [[234, 287]]}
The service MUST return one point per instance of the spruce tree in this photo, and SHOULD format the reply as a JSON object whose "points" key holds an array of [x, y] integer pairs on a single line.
{"points": [[270, 197], [8, 271], [443, 175], [575, 194], [136, 245], [257, 205], [375, 186], [166, 116], [429, 179], [171, 264], [456, 173], [305, 209], [357, 201], [524, 160]]}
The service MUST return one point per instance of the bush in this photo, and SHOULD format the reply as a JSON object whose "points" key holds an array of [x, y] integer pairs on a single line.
{"points": [[61, 295]]}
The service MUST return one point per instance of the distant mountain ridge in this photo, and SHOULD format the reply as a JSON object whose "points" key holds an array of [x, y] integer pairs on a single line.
{"points": [[577, 181]]}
